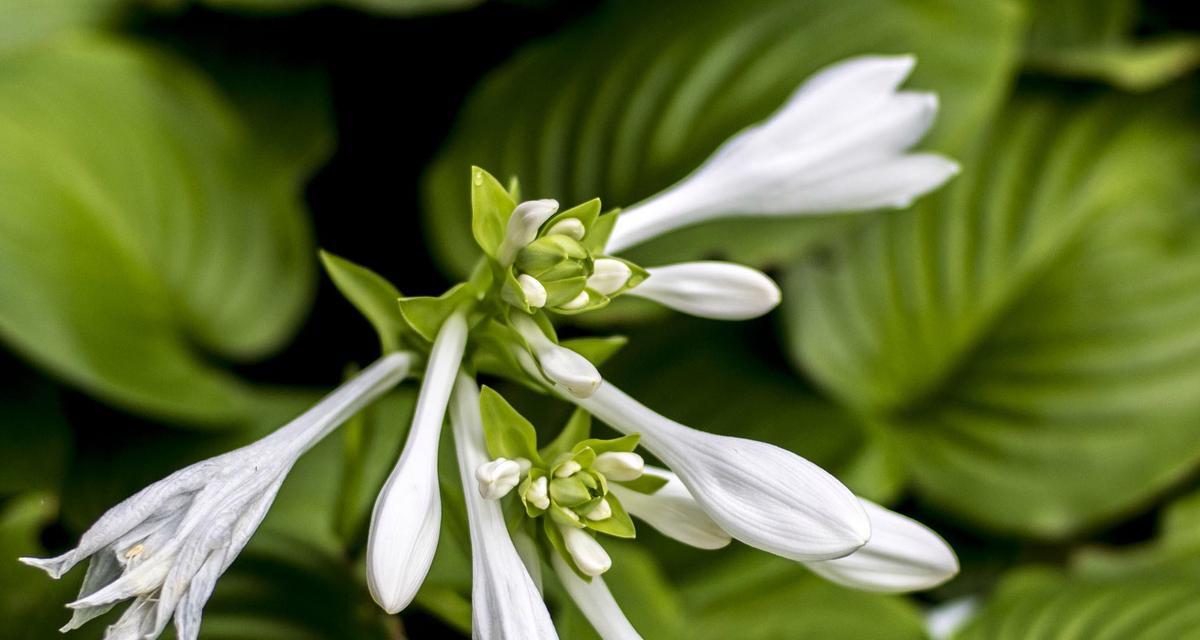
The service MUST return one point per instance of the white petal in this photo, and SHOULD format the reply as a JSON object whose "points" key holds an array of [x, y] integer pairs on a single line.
{"points": [[814, 155], [621, 466], [561, 366], [944, 620], [586, 551], [596, 603], [719, 290], [765, 496], [673, 512], [505, 602], [902, 555], [523, 226], [408, 512]]}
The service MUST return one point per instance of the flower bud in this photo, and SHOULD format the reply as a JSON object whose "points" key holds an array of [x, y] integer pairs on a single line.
{"points": [[532, 290], [570, 227], [602, 511], [567, 469], [497, 478], [578, 302], [621, 466], [569, 492], [589, 556], [546, 253], [563, 367], [523, 226], [538, 493], [608, 276]]}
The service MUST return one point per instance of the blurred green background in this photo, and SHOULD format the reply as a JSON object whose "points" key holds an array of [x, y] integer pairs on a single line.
{"points": [[1014, 361]]}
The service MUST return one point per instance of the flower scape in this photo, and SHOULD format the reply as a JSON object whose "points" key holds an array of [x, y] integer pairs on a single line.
{"points": [[839, 144]]}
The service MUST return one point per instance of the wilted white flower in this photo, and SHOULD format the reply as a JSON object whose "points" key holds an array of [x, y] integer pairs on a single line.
{"points": [[166, 545], [839, 144]]}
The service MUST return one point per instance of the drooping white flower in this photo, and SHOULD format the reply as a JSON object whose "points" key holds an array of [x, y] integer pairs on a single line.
{"points": [[596, 603], [408, 511], [166, 545], [673, 512], [718, 290], [561, 366], [838, 144], [506, 603], [902, 555], [522, 228], [765, 496], [588, 554]]}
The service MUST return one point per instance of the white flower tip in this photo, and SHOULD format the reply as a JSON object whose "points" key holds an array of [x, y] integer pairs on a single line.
{"points": [[567, 469], [523, 226], [497, 478], [602, 511], [571, 227], [608, 276], [589, 556], [54, 567], [570, 370], [578, 302], [709, 289], [621, 466], [538, 493], [532, 290], [403, 536]]}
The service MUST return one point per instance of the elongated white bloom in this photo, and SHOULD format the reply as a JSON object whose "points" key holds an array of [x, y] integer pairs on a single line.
{"points": [[561, 366], [588, 554], [838, 144], [408, 511], [718, 290], [596, 603], [522, 228], [167, 544], [506, 603], [902, 555], [673, 512], [765, 496]]}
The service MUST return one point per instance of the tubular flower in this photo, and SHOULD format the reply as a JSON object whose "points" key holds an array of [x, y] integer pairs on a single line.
{"points": [[839, 144], [165, 546]]}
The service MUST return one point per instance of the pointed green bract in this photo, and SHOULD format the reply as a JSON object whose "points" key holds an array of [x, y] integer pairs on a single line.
{"points": [[578, 427], [491, 206], [372, 295], [618, 525], [508, 433], [648, 484]]}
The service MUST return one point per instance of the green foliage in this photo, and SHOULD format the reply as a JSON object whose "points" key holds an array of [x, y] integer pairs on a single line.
{"points": [[508, 434], [622, 122], [162, 235], [1028, 335], [372, 295]]}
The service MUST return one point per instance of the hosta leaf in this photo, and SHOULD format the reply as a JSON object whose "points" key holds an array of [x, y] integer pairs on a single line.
{"points": [[144, 229], [635, 96], [24, 22], [1030, 334], [383, 7]]}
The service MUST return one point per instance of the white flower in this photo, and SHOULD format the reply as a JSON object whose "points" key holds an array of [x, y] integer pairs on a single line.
{"points": [[673, 512], [596, 603], [608, 276], [522, 228], [561, 366], [765, 496], [497, 478], [902, 555], [589, 556], [621, 466], [839, 144], [718, 290], [166, 545], [506, 603], [408, 512]]}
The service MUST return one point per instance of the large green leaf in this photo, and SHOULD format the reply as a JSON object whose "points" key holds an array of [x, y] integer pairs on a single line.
{"points": [[144, 228], [1031, 334], [635, 96], [385, 7], [26, 21]]}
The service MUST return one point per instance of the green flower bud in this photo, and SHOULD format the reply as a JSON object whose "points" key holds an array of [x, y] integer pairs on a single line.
{"points": [[546, 253], [569, 492]]}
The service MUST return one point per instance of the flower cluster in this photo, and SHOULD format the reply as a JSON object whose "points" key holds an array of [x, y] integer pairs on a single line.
{"points": [[840, 143]]}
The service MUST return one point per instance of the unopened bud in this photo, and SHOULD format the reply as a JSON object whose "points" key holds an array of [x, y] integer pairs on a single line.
{"points": [[621, 466], [546, 253], [560, 365], [569, 492], [523, 227], [589, 556], [534, 292], [538, 493], [570, 227], [602, 511], [609, 275], [497, 478], [578, 302], [567, 469]]}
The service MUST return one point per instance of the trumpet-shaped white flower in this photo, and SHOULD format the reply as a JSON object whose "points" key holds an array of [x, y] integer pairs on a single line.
{"points": [[561, 366], [839, 144], [718, 290], [523, 226], [166, 545], [902, 555], [673, 512], [765, 496], [506, 603], [408, 511], [596, 603]]}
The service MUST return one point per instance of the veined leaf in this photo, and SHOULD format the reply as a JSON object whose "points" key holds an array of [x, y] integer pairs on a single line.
{"points": [[636, 95], [143, 229], [1031, 333]]}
